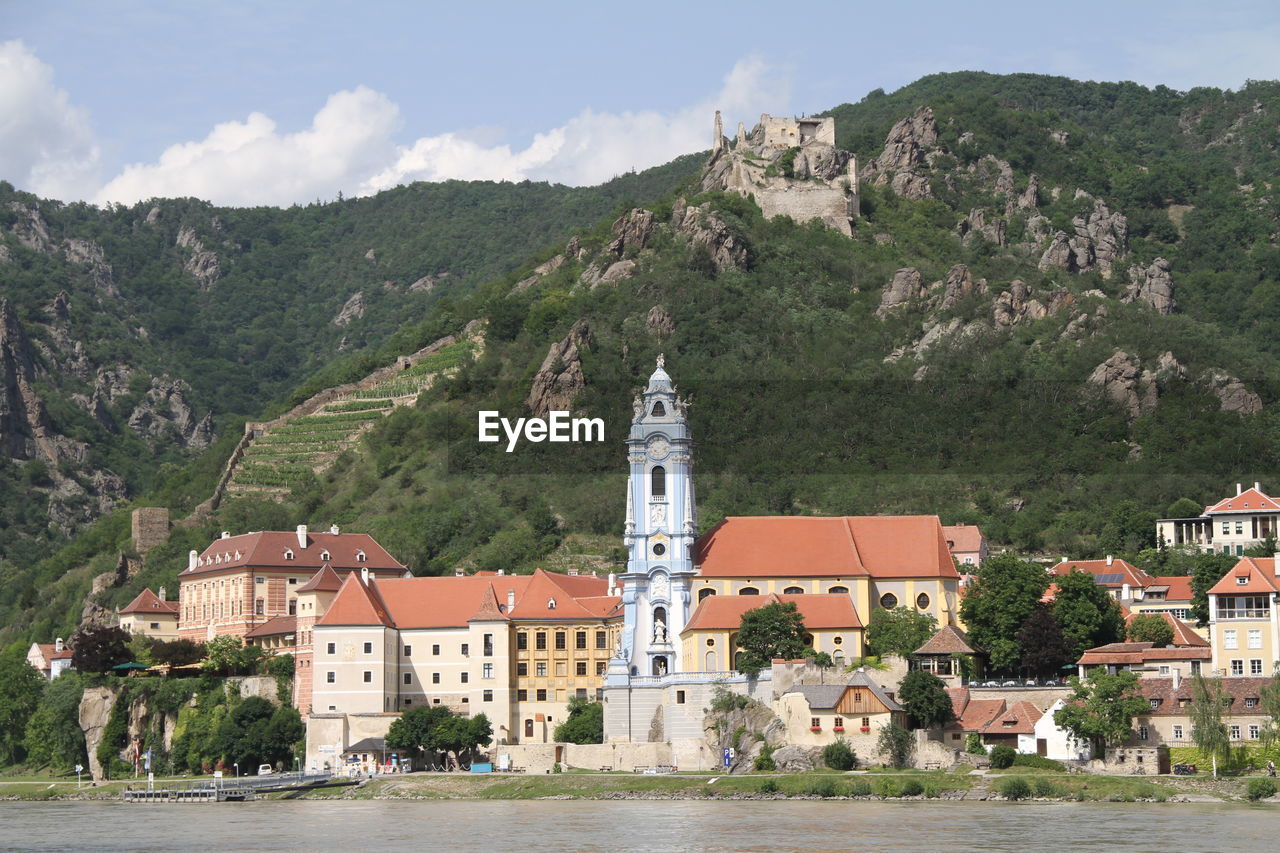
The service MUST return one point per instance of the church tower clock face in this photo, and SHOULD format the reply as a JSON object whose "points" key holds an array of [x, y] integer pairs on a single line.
{"points": [[659, 447]]}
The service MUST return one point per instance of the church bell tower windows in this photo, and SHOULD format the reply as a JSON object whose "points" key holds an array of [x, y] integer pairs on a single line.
{"points": [[658, 482]]}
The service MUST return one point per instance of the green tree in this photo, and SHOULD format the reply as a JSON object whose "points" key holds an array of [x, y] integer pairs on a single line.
{"points": [[772, 631], [585, 723], [284, 731], [177, 652], [1088, 615], [839, 755], [1101, 708], [896, 744], [1004, 594], [221, 655], [899, 631], [1044, 649], [53, 733], [97, 648], [1208, 731], [458, 735], [1269, 703], [924, 695], [20, 691], [1150, 628], [242, 736], [1184, 508], [410, 733], [1209, 569]]}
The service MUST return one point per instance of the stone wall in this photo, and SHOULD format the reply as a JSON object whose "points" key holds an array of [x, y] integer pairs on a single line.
{"points": [[834, 206], [150, 526], [1041, 697]]}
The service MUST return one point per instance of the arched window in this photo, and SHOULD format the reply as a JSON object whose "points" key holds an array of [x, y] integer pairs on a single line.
{"points": [[705, 593], [793, 590], [360, 556], [843, 590], [658, 482], [748, 590], [659, 410], [288, 554], [711, 662]]}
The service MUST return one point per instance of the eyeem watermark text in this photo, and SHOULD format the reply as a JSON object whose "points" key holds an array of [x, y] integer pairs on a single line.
{"points": [[557, 427]]}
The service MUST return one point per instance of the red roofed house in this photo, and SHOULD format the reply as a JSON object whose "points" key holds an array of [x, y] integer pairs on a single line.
{"points": [[513, 647], [1228, 527], [1122, 579], [151, 615], [50, 659], [1168, 720], [1244, 630], [966, 543], [710, 638], [240, 582]]}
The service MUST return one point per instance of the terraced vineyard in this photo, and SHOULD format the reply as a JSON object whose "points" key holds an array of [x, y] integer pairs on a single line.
{"points": [[285, 452]]}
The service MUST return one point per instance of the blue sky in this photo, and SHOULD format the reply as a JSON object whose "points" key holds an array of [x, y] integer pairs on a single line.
{"points": [[281, 102]]}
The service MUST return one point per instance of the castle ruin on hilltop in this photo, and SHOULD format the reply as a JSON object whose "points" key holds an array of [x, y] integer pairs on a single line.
{"points": [[791, 167]]}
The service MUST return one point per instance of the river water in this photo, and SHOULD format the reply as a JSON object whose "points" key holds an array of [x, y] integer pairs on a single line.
{"points": [[642, 825]]}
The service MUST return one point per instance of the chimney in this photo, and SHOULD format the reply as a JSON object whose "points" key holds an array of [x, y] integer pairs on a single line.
{"points": [[364, 576], [57, 645], [1124, 592], [193, 559], [302, 536], [611, 589], [511, 600], [162, 594], [333, 528], [1239, 490], [1177, 677], [1257, 487], [573, 573], [501, 572], [1110, 559], [459, 573]]}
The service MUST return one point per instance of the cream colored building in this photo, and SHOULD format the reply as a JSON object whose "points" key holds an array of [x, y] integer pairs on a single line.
{"points": [[1244, 631], [150, 615], [710, 640], [1230, 526], [854, 711]]}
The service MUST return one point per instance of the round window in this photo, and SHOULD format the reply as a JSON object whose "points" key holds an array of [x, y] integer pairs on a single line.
{"points": [[659, 549], [922, 601], [711, 642], [888, 601], [838, 640]]}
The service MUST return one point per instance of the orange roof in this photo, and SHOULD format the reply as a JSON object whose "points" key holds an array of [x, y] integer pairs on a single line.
{"points": [[1179, 587], [971, 714], [274, 627], [962, 538], [451, 602], [821, 611], [1019, 718], [949, 640], [275, 549], [325, 580], [1139, 653], [1183, 634], [356, 604], [809, 546], [148, 602], [489, 611], [1128, 574], [1259, 575], [1250, 500]]}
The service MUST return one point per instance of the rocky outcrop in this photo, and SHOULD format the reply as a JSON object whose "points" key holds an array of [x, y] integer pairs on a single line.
{"points": [[797, 759], [747, 730], [30, 228], [703, 227], [659, 322], [975, 226], [95, 710], [631, 232], [1232, 394], [1152, 285], [959, 285], [202, 265], [87, 252], [1015, 305], [907, 151], [539, 272], [618, 270], [560, 379], [1123, 380], [1060, 254], [1097, 242], [906, 286], [352, 310], [166, 411]]}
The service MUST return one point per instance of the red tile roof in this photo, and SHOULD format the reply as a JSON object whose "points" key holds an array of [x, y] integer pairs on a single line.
{"points": [[1250, 500], [950, 640], [271, 549], [325, 580], [274, 627], [1179, 587], [971, 714], [148, 602], [809, 546], [356, 604], [1129, 574], [488, 611], [1259, 574], [963, 538], [1168, 699], [1018, 719], [1131, 654], [821, 611]]}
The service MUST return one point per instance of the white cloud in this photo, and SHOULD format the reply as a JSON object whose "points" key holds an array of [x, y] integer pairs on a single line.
{"points": [[350, 148], [46, 144]]}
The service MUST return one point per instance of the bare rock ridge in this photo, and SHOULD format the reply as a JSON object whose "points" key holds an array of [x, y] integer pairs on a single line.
{"points": [[560, 379], [352, 310], [167, 410], [909, 151], [1137, 389], [1152, 285], [202, 265]]}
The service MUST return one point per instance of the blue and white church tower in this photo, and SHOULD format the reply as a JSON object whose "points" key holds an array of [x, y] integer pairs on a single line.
{"points": [[660, 528]]}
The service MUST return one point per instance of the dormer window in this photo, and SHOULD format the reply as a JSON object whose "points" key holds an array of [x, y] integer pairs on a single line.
{"points": [[551, 604], [288, 553], [659, 410], [1241, 580], [360, 556], [324, 555]]}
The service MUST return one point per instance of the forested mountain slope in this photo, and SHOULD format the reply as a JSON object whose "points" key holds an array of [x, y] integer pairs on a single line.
{"points": [[1053, 319]]}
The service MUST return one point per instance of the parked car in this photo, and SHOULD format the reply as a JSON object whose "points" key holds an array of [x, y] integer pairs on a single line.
{"points": [[265, 770]]}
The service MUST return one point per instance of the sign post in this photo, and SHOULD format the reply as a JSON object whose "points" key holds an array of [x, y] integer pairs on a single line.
{"points": [[79, 769], [728, 756]]}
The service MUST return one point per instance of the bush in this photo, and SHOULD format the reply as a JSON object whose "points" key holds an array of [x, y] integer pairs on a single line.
{"points": [[860, 788], [973, 744], [1014, 788], [912, 788], [1025, 760], [1003, 756], [822, 788], [1045, 788], [769, 786], [1260, 788], [764, 761], [839, 756], [887, 787], [723, 700]]}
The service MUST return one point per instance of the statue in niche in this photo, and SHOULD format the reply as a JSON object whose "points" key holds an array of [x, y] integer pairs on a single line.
{"points": [[660, 587], [659, 631], [658, 515], [662, 666]]}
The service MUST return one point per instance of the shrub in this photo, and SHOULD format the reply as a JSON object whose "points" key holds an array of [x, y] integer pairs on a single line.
{"points": [[1032, 760], [1045, 787], [769, 786], [886, 787], [859, 788], [1002, 756], [723, 700], [912, 788], [839, 756], [973, 744], [1014, 788], [1260, 788], [822, 788], [764, 761]]}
